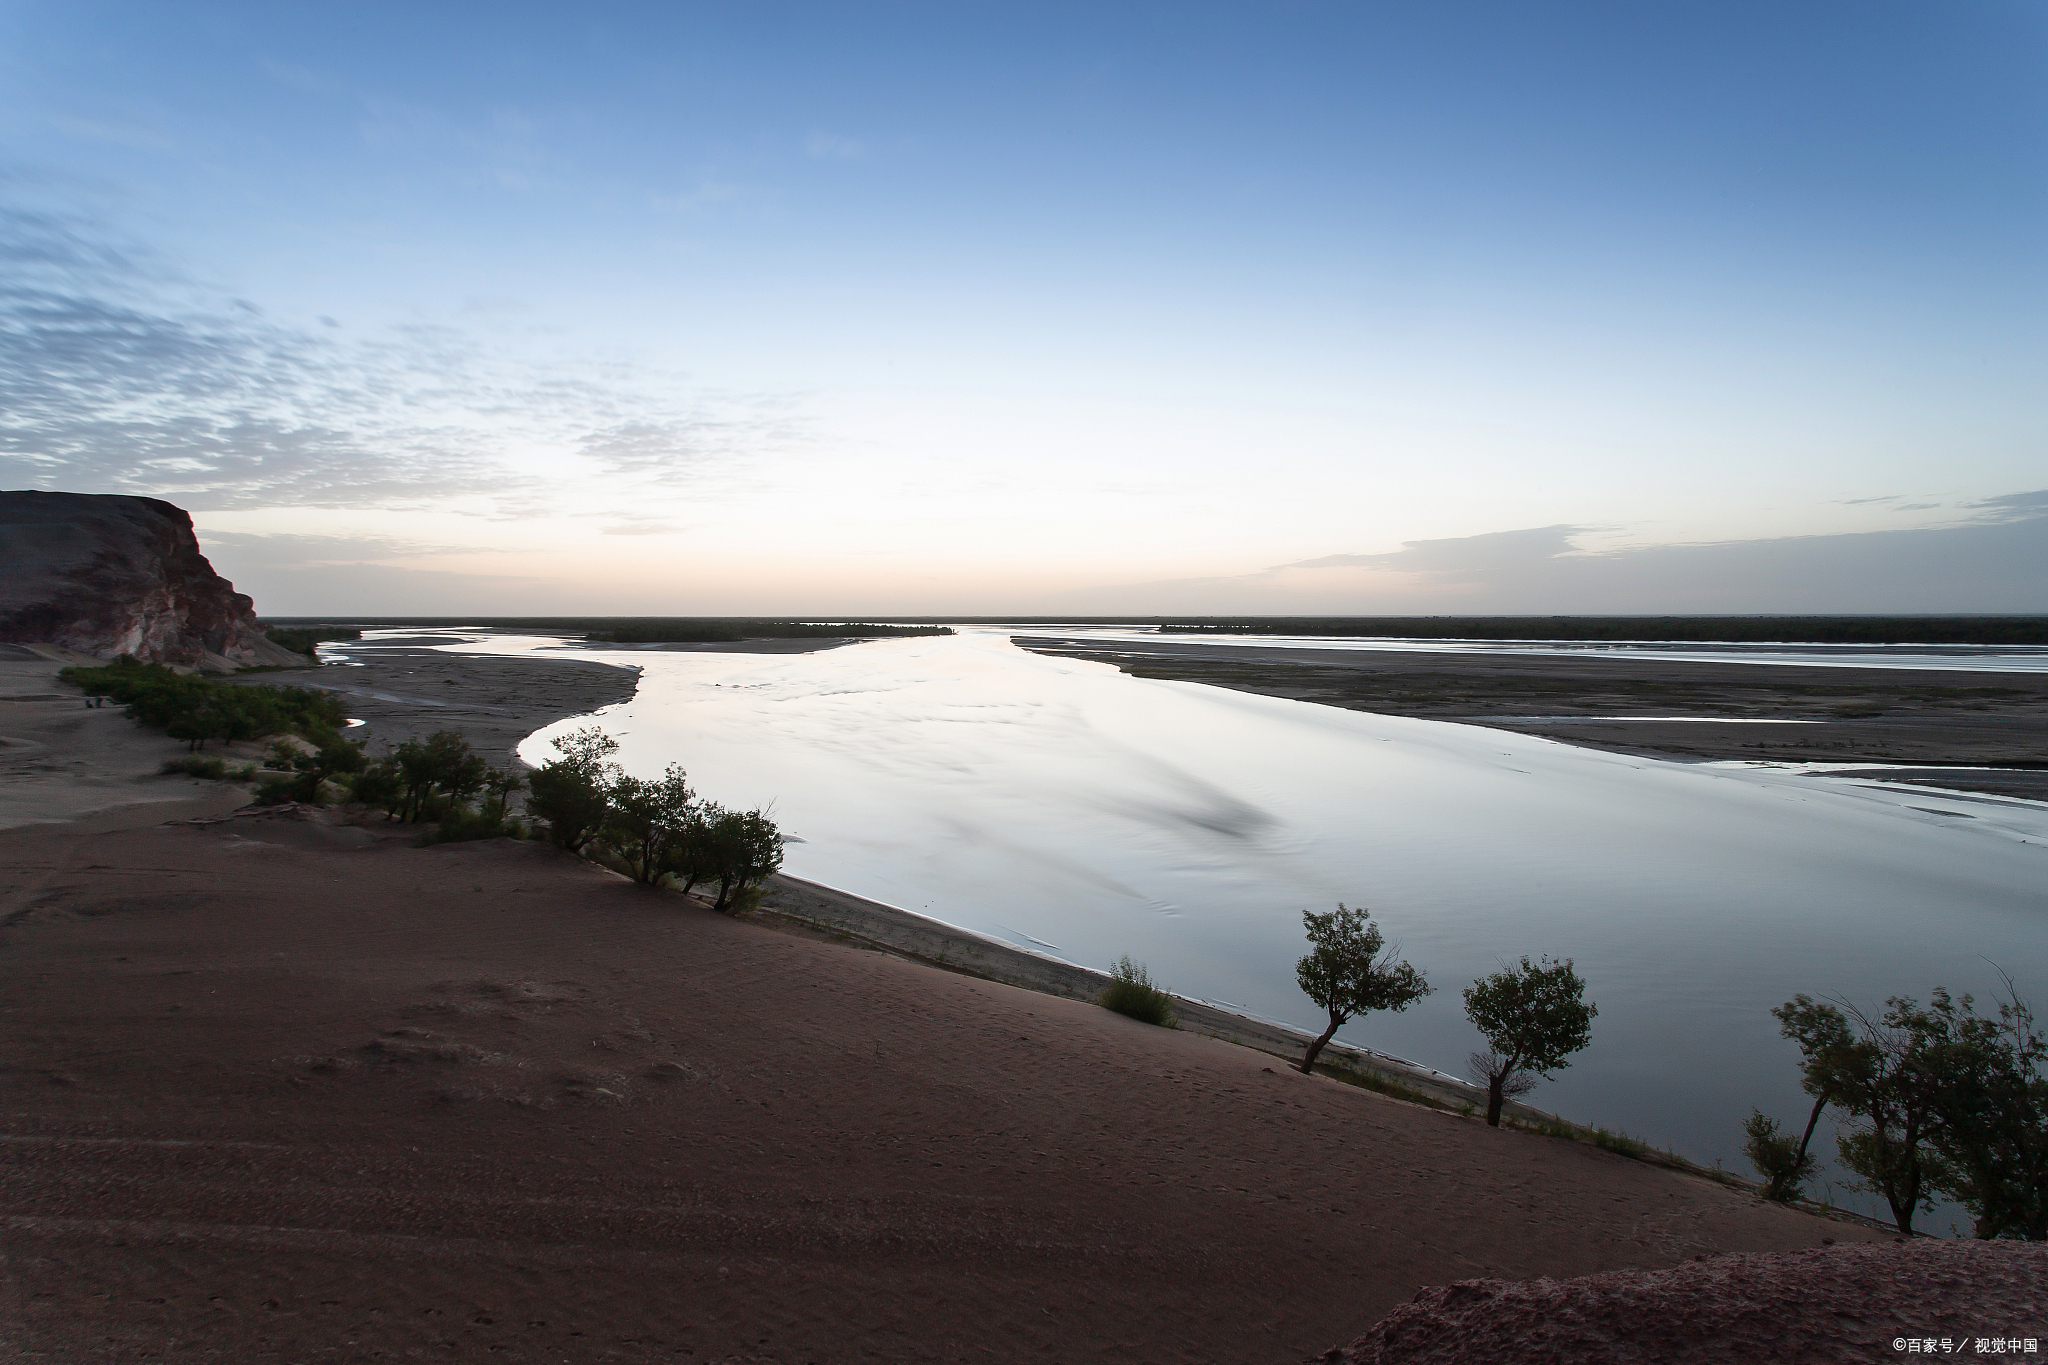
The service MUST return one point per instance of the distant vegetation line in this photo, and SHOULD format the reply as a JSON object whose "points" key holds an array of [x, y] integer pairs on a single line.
{"points": [[699, 632], [610, 629], [307, 640], [1848, 630]]}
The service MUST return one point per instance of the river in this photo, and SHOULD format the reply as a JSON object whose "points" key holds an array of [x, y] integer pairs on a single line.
{"points": [[1065, 807]]}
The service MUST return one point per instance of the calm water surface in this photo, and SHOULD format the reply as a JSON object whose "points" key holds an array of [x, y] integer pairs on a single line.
{"points": [[1065, 807]]}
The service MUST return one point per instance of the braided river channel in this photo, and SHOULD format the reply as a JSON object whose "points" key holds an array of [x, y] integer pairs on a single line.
{"points": [[1069, 809]]}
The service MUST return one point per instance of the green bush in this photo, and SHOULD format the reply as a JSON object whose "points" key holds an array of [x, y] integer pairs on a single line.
{"points": [[1131, 992], [196, 709], [1777, 1155]]}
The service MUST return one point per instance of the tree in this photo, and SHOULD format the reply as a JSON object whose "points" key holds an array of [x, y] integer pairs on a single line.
{"points": [[380, 785], [1828, 1060], [1533, 1017], [1879, 1072], [734, 848], [1893, 1093], [1782, 1162], [1942, 1100], [440, 765], [501, 785], [1991, 1107], [647, 822], [1350, 971], [571, 793], [336, 758]]}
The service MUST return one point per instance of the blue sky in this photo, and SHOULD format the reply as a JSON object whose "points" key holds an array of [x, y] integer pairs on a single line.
{"points": [[926, 308]]}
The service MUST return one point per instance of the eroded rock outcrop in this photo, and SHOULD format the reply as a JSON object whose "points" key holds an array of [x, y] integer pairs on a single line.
{"points": [[1839, 1303], [109, 575]]}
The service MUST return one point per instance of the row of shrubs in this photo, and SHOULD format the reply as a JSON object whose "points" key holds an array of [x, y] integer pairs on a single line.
{"points": [[198, 709], [657, 830]]}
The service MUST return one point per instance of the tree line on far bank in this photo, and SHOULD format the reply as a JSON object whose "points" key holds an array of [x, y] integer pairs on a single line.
{"points": [[719, 630], [657, 830], [1868, 630]]}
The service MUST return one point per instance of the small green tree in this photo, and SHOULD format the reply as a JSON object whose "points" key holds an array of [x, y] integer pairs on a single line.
{"points": [[337, 758], [1882, 1073], [440, 766], [1782, 1162], [1350, 971], [738, 849], [1829, 1060], [501, 785], [1533, 1017], [379, 784], [571, 793], [647, 821], [1991, 1107]]}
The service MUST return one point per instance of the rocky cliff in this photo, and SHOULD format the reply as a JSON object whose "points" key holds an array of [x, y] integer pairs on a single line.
{"points": [[109, 576]]}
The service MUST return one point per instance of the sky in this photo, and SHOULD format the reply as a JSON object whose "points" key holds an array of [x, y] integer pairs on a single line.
{"points": [[870, 308]]}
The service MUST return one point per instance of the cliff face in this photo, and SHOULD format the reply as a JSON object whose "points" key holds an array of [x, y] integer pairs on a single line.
{"points": [[118, 575]]}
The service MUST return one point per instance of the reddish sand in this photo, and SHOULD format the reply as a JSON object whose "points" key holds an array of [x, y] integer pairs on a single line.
{"points": [[272, 1096], [1832, 1304]]}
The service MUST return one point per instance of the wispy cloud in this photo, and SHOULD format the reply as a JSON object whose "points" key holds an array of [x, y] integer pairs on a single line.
{"points": [[1996, 561], [287, 551], [1462, 558], [116, 376], [2013, 506], [683, 449]]}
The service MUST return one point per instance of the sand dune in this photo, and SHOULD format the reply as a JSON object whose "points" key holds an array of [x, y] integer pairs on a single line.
{"points": [[283, 1091]]}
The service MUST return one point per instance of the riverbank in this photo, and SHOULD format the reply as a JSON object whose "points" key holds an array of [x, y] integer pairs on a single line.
{"points": [[1969, 731], [403, 689], [279, 1083]]}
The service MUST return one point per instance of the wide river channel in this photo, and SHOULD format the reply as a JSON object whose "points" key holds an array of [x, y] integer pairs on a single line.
{"points": [[1072, 810]]}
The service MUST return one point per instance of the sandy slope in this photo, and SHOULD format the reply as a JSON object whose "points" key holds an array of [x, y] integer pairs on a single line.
{"points": [[277, 1091], [62, 761]]}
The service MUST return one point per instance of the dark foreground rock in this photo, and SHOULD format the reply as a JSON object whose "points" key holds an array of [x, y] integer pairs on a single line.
{"points": [[109, 575], [1840, 1303]]}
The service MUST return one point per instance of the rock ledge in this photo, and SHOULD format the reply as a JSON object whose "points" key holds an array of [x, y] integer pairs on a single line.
{"points": [[113, 575]]}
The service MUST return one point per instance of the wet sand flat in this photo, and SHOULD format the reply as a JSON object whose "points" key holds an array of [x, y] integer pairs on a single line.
{"points": [[1943, 723], [406, 692]]}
